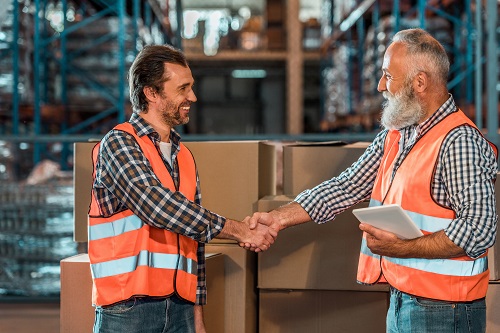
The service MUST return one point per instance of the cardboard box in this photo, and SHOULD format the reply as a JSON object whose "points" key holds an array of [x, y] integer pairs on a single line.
{"points": [[77, 313], [309, 164], [82, 180], [233, 176], [493, 308], [327, 254], [316, 311], [216, 284], [240, 308]]}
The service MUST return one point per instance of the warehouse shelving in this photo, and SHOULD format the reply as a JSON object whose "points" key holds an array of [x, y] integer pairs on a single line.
{"points": [[469, 58], [469, 23], [76, 59]]}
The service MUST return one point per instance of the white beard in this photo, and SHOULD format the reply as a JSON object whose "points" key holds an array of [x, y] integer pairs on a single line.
{"points": [[401, 109]]}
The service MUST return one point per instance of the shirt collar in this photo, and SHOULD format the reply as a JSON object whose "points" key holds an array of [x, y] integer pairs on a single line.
{"points": [[142, 128], [442, 112]]}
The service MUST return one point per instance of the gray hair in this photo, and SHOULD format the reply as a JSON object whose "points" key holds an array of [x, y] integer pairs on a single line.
{"points": [[426, 54]]}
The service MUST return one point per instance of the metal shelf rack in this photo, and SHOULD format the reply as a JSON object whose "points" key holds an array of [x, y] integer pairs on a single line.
{"points": [[470, 22], [120, 28]]}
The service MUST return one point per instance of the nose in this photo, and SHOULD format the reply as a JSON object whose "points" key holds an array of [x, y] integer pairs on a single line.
{"points": [[381, 84], [192, 96]]}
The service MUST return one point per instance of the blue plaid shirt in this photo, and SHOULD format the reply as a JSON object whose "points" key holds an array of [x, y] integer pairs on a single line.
{"points": [[125, 180], [463, 178]]}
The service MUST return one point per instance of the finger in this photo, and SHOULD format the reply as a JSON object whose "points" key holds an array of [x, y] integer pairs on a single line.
{"points": [[253, 221], [247, 246], [364, 227], [264, 247], [370, 229], [244, 245], [273, 233], [269, 238], [265, 219]]}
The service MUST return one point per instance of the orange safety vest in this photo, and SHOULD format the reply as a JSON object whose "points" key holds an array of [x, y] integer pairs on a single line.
{"points": [[456, 279], [129, 257]]}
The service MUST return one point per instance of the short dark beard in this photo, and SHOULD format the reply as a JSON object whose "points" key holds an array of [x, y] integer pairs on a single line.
{"points": [[171, 115]]}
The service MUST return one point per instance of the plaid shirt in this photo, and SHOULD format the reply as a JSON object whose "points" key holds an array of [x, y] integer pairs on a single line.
{"points": [[463, 181], [125, 180]]}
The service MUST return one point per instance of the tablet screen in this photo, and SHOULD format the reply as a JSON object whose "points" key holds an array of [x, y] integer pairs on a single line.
{"points": [[390, 218]]}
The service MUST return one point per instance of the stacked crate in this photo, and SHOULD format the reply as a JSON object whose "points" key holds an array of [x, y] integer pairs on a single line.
{"points": [[7, 57], [36, 232], [352, 102], [307, 279]]}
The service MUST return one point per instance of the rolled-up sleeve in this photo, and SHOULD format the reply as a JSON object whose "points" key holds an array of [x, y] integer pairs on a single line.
{"points": [[330, 198], [469, 169]]}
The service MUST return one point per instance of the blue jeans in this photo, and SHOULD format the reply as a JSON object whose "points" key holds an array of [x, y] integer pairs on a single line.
{"points": [[146, 315], [408, 313]]}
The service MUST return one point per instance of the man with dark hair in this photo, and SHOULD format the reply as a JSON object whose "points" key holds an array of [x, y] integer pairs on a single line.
{"points": [[147, 227], [432, 161]]}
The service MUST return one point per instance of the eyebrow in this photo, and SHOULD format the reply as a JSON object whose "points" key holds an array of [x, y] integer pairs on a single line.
{"points": [[187, 84]]}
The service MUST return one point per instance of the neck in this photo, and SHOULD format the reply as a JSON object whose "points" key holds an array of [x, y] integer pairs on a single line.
{"points": [[433, 102], [158, 125]]}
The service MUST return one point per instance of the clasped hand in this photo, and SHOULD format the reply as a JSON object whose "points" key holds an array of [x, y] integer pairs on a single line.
{"points": [[380, 242], [263, 229]]}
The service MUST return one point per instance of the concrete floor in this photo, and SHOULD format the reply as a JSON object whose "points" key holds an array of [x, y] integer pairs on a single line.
{"points": [[29, 317]]}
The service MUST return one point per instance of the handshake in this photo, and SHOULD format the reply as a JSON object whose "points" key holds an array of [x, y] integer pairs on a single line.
{"points": [[255, 233], [259, 231]]}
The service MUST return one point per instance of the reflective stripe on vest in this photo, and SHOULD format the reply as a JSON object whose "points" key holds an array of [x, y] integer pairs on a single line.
{"points": [[104, 230], [129, 257], [455, 279], [144, 258]]}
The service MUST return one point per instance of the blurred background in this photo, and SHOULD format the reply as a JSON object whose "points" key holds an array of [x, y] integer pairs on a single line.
{"points": [[296, 70]]}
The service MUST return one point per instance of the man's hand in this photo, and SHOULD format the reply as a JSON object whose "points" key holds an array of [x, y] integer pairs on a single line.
{"points": [[381, 242], [258, 230], [199, 323], [286, 216], [431, 246], [261, 237], [259, 221]]}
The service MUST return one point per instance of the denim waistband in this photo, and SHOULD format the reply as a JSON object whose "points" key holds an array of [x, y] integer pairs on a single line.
{"points": [[396, 292]]}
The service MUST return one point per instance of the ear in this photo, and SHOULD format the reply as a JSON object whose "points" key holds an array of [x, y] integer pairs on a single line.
{"points": [[420, 82], [150, 93]]}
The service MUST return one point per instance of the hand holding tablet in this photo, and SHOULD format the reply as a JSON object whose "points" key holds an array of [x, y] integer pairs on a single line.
{"points": [[390, 218]]}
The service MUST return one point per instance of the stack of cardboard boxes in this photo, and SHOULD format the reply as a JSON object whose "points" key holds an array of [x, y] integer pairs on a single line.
{"points": [[306, 282], [233, 175], [307, 279]]}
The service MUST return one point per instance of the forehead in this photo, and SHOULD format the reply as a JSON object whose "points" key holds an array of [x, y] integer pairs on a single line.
{"points": [[178, 74], [395, 57]]}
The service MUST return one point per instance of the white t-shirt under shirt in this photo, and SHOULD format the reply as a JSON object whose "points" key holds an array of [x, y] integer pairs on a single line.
{"points": [[166, 149]]}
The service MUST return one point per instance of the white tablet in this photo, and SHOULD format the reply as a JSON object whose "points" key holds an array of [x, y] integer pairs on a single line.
{"points": [[390, 218]]}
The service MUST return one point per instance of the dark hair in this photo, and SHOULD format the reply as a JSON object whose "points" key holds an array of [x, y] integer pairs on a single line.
{"points": [[148, 70]]}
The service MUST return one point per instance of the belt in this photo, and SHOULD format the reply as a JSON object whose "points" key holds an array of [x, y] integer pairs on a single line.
{"points": [[395, 291]]}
